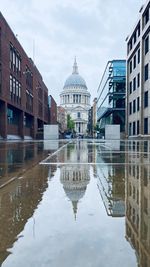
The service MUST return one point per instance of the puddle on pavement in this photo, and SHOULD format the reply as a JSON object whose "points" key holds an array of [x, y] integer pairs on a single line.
{"points": [[86, 204]]}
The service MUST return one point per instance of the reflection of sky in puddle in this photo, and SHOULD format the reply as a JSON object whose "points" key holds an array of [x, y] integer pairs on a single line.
{"points": [[76, 214]]}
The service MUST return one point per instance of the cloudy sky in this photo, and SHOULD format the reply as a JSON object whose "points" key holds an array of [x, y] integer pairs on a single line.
{"points": [[53, 32]]}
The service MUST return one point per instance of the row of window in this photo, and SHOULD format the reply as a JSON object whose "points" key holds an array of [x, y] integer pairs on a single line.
{"points": [[134, 127], [146, 17], [146, 73], [134, 84], [15, 90], [29, 101], [134, 61], [146, 45], [15, 60], [137, 31], [134, 37], [134, 217], [134, 106], [29, 78], [134, 171], [76, 99]]}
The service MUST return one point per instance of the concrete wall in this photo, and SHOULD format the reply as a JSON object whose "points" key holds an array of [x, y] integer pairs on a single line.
{"points": [[50, 132], [112, 132]]}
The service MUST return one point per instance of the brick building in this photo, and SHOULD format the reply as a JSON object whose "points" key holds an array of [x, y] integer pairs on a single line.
{"points": [[52, 110], [23, 94]]}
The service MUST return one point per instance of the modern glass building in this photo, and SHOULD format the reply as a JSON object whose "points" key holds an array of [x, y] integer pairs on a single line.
{"points": [[111, 95]]}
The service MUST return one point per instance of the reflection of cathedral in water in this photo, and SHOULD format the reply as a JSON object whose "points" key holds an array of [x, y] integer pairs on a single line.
{"points": [[75, 180], [75, 177], [138, 200]]}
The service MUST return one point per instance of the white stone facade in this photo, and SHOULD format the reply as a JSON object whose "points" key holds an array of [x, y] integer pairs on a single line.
{"points": [[76, 100], [138, 77]]}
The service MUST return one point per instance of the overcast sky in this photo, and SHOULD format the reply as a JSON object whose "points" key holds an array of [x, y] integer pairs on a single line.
{"points": [[53, 32]]}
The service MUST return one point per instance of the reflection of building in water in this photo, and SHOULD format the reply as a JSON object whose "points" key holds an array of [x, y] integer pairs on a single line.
{"points": [[75, 179], [18, 202], [138, 200], [19, 199], [76, 152], [110, 182], [15, 158]]}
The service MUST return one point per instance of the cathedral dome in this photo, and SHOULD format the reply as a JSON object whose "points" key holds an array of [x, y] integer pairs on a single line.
{"points": [[75, 80]]}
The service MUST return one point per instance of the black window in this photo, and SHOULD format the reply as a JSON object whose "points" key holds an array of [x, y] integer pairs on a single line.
{"points": [[134, 37], [138, 103], [146, 72], [78, 114], [138, 127], [134, 84], [130, 108], [146, 99], [130, 128], [130, 66], [138, 30], [134, 106], [138, 80], [146, 45], [146, 126], [134, 62], [146, 16], [130, 87], [134, 128], [138, 56]]}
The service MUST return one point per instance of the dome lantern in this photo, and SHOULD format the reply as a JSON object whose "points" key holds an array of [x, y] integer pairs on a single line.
{"points": [[75, 80], [75, 67]]}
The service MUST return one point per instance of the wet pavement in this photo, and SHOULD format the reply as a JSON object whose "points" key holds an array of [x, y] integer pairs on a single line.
{"points": [[78, 203]]}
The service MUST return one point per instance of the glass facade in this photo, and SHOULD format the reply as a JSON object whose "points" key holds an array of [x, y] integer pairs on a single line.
{"points": [[111, 95]]}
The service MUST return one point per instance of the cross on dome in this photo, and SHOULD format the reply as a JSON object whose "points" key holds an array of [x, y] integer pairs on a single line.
{"points": [[75, 67]]}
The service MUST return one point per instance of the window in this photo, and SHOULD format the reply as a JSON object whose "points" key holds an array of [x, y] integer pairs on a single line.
{"points": [[138, 29], [130, 108], [138, 103], [138, 56], [130, 66], [146, 43], [146, 16], [146, 126], [134, 61], [138, 80], [130, 128], [11, 86], [134, 37], [79, 115], [14, 60], [134, 84], [14, 86], [146, 99], [134, 128], [146, 72], [138, 127], [134, 106], [130, 87]]}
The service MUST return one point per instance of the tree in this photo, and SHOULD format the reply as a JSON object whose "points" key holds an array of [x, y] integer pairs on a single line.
{"points": [[70, 123], [97, 128]]}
